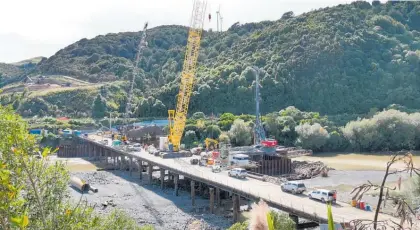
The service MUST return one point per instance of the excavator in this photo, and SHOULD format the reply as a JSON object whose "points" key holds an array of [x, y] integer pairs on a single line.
{"points": [[178, 118]]}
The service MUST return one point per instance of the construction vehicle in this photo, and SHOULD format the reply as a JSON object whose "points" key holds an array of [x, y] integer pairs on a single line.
{"points": [[211, 143], [128, 106], [260, 140], [178, 118]]}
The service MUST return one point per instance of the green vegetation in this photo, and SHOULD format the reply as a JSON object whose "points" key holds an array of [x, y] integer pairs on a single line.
{"points": [[33, 192], [345, 59]]}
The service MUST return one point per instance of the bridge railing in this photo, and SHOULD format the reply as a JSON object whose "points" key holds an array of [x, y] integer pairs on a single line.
{"points": [[265, 194]]}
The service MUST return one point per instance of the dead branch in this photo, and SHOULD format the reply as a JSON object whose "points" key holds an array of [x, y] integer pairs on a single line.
{"points": [[403, 210]]}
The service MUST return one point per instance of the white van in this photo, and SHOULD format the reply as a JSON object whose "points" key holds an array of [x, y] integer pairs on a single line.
{"points": [[324, 195], [239, 160]]}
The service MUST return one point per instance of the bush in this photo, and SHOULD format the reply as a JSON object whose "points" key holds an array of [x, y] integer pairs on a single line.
{"points": [[311, 136], [240, 134]]}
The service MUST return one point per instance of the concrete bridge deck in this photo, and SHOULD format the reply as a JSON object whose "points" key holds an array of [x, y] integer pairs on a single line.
{"points": [[299, 205]]}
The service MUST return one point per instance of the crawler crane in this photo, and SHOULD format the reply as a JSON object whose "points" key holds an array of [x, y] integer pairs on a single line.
{"points": [[178, 118]]}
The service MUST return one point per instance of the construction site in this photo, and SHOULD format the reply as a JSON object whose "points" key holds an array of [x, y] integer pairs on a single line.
{"points": [[217, 170], [265, 157]]}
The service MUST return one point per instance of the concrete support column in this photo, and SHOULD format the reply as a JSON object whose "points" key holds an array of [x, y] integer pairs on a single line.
{"points": [[294, 218], [218, 200], [115, 160], [176, 178], [162, 178], [236, 207], [211, 190], [150, 172], [141, 169], [193, 193], [200, 189], [131, 166], [120, 165]]}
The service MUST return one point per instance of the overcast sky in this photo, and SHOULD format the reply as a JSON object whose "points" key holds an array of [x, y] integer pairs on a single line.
{"points": [[30, 28]]}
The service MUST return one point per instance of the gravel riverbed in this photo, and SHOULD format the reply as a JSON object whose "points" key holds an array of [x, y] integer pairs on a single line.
{"points": [[147, 204]]}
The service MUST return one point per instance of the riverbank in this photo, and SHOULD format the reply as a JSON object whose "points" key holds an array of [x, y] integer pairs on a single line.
{"points": [[145, 203], [357, 161]]}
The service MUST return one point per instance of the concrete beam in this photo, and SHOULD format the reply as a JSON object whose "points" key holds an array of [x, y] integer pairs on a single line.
{"points": [[193, 193], [176, 179], [150, 173], [162, 178], [211, 191]]}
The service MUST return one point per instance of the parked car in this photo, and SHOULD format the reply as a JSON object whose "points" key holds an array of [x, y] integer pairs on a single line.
{"points": [[323, 195], [237, 172], [216, 168], [294, 187], [135, 147], [194, 161]]}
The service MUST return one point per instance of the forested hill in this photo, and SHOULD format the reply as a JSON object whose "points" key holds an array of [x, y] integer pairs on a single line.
{"points": [[343, 59]]}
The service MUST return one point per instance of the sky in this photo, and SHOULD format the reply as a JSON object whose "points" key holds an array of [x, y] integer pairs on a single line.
{"points": [[30, 28]]}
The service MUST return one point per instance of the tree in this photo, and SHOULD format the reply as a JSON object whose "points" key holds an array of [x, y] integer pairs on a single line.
{"points": [[213, 131], [403, 209], [224, 138], [226, 121], [45, 202], [240, 134], [311, 136], [198, 115], [189, 138], [99, 107]]}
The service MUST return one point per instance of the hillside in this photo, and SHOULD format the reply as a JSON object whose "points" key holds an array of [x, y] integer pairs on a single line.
{"points": [[343, 59]]}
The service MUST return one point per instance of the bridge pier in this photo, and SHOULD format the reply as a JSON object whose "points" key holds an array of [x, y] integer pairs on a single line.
{"points": [[131, 166], [211, 191], [176, 178], [140, 169], [162, 178], [200, 188], [193, 193], [150, 173], [236, 207], [294, 218], [218, 200]]}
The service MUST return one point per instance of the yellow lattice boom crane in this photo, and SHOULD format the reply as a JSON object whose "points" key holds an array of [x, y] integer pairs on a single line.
{"points": [[178, 118]]}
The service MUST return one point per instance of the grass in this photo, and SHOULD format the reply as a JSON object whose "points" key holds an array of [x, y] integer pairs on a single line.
{"points": [[62, 89]]}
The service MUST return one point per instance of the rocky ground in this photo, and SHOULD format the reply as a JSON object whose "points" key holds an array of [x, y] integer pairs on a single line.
{"points": [[147, 204]]}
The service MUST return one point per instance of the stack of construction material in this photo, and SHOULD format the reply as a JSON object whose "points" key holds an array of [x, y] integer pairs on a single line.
{"points": [[307, 170]]}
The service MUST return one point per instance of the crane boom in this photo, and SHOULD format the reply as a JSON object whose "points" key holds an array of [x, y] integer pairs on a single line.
{"points": [[141, 45], [177, 119]]}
